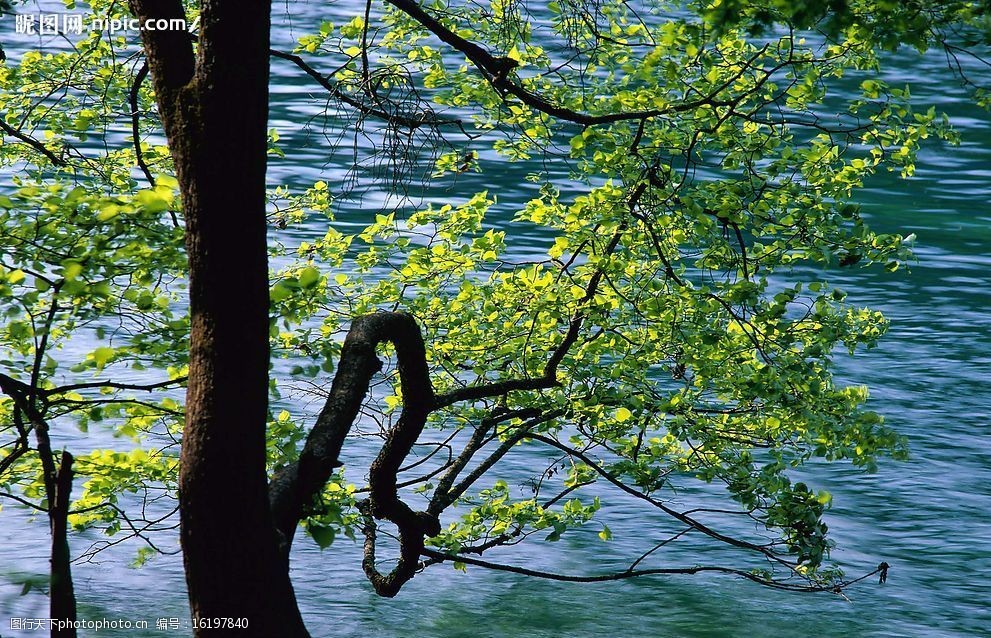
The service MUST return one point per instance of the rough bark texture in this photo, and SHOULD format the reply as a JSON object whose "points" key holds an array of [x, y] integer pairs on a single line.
{"points": [[214, 106]]}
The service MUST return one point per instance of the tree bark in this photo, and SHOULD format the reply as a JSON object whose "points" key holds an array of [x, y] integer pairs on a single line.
{"points": [[63, 595], [214, 107]]}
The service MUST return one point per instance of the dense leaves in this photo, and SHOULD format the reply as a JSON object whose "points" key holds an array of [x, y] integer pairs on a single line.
{"points": [[682, 314]]}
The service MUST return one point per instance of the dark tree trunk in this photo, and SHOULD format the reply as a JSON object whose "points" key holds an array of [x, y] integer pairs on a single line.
{"points": [[214, 107], [62, 595], [58, 492]]}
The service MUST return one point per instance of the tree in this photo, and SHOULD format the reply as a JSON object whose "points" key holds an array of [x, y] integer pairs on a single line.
{"points": [[679, 328]]}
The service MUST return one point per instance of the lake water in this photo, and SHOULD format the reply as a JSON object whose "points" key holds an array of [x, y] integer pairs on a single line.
{"points": [[929, 517]]}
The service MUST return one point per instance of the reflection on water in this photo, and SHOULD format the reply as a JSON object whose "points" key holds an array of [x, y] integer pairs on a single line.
{"points": [[927, 517]]}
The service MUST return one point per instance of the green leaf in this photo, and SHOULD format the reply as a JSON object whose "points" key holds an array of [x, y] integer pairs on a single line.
{"points": [[323, 535], [102, 356], [308, 277]]}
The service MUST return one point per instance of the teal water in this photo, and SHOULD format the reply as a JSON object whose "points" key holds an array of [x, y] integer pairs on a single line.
{"points": [[929, 517]]}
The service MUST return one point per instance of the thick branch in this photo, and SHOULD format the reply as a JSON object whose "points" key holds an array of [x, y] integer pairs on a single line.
{"points": [[296, 487], [169, 52], [496, 70]]}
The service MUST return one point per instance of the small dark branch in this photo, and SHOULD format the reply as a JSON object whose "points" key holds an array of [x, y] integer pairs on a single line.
{"points": [[478, 439], [33, 143], [549, 377], [513, 536], [135, 121], [568, 578], [441, 501], [409, 483], [42, 346], [136, 132], [71, 405], [680, 516], [481, 58], [9, 460], [63, 597], [743, 250], [658, 546], [488, 390], [365, 71], [23, 501], [496, 71], [500, 540], [141, 532], [437, 556], [339, 94], [568, 490], [147, 387], [635, 144], [444, 445], [22, 444], [550, 369]]}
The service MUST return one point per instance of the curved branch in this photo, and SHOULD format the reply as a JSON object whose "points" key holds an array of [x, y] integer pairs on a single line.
{"points": [[294, 488], [135, 132], [23, 501]]}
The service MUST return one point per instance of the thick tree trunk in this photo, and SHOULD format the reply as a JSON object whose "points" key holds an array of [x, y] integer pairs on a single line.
{"points": [[215, 110]]}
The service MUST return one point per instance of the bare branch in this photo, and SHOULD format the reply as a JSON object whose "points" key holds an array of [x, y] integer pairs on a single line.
{"points": [[443, 556], [681, 516], [148, 387], [33, 143]]}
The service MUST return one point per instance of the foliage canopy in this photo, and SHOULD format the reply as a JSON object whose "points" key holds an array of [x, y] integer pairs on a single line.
{"points": [[677, 331]]}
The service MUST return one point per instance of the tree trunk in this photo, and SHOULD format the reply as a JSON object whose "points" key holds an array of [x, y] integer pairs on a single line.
{"points": [[215, 108], [62, 595]]}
